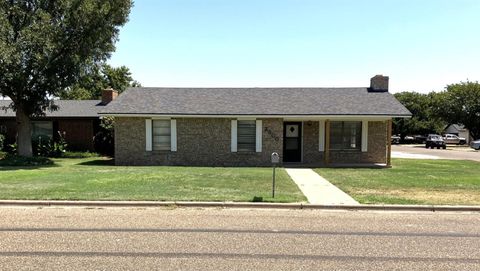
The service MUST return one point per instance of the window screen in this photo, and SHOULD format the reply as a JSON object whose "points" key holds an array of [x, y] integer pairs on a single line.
{"points": [[246, 135], [345, 135], [161, 135]]}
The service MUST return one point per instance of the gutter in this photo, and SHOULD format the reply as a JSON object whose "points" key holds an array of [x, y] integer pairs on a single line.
{"points": [[241, 205]]}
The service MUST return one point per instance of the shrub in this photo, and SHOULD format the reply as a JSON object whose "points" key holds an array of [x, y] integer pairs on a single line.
{"points": [[11, 148], [10, 160], [47, 147], [87, 154], [2, 141], [104, 139]]}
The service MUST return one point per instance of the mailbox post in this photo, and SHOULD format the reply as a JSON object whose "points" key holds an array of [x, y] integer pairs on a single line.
{"points": [[275, 161]]}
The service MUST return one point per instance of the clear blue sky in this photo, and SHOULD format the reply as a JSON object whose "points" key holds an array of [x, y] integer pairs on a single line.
{"points": [[421, 44]]}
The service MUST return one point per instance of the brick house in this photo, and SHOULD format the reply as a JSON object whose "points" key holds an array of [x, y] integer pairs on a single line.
{"points": [[243, 126], [78, 120]]}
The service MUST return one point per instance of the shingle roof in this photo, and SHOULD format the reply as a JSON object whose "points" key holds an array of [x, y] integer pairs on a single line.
{"points": [[255, 101], [66, 108]]}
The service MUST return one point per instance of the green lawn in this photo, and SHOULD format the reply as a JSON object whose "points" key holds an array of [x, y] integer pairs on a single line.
{"points": [[97, 179], [411, 182]]}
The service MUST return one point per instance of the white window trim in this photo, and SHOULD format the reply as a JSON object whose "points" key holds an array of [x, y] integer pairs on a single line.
{"points": [[258, 135], [234, 136], [148, 135], [364, 136], [321, 135], [173, 135]]}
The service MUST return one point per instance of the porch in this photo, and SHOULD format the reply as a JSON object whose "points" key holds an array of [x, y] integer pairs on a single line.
{"points": [[339, 142]]}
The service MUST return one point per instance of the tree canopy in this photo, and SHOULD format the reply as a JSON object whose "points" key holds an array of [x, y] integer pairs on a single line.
{"points": [[460, 104], [97, 78], [46, 45], [424, 120]]}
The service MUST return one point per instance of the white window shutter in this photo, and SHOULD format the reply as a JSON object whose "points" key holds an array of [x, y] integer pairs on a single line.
{"points": [[234, 136], [173, 135], [321, 135], [258, 134], [148, 135], [364, 136]]}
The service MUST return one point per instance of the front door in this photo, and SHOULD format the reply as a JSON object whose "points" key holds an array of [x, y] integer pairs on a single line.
{"points": [[292, 142]]}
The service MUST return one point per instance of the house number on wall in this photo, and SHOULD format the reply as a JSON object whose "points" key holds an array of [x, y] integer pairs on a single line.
{"points": [[271, 133]]}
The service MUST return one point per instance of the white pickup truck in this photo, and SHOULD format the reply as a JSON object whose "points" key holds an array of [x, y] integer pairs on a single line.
{"points": [[454, 139]]}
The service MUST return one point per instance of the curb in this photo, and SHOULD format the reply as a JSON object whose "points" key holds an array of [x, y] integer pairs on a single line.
{"points": [[247, 205]]}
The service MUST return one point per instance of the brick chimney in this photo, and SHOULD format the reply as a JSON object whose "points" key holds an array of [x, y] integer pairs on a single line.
{"points": [[379, 83], [108, 95]]}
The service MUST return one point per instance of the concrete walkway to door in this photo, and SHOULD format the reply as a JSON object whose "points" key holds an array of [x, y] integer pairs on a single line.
{"points": [[317, 189]]}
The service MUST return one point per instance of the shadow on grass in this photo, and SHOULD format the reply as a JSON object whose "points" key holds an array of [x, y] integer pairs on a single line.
{"points": [[14, 162], [5, 168], [98, 162], [257, 199]]}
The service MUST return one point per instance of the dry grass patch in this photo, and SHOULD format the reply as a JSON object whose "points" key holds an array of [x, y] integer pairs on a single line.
{"points": [[411, 181], [454, 197]]}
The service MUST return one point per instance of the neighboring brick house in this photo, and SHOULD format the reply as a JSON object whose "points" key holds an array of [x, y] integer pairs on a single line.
{"points": [[243, 126], [78, 120]]}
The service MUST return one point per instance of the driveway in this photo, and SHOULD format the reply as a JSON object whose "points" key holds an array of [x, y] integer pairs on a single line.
{"points": [[420, 152], [229, 239]]}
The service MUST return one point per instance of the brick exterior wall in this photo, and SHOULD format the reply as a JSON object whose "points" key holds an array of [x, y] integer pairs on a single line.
{"points": [[200, 142], [311, 155], [206, 142]]}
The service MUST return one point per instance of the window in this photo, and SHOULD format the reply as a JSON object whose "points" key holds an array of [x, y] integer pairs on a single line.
{"points": [[42, 129], [161, 135], [345, 135], [246, 135]]}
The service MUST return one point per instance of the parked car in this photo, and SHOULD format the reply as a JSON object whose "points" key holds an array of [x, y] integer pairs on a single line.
{"points": [[420, 139], [408, 139], [454, 139], [435, 141], [475, 144], [395, 139]]}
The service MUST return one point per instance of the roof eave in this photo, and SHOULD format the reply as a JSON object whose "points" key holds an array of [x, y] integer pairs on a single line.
{"points": [[320, 116]]}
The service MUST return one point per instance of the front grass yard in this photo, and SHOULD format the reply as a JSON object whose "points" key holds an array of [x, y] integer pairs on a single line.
{"points": [[97, 179], [411, 182]]}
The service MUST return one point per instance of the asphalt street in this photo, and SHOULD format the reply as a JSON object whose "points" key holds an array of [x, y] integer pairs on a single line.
{"points": [[236, 239], [452, 152]]}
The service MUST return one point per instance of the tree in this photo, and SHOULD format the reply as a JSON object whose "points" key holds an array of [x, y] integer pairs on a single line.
{"points": [[104, 139], [97, 78], [460, 103], [45, 45], [423, 119]]}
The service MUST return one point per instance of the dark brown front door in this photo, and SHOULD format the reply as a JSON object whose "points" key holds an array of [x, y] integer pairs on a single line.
{"points": [[292, 142]]}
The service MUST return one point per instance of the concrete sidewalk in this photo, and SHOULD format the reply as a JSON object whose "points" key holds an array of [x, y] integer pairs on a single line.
{"points": [[317, 189]]}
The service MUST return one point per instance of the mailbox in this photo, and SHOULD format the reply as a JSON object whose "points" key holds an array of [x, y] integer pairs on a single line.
{"points": [[275, 158], [275, 161]]}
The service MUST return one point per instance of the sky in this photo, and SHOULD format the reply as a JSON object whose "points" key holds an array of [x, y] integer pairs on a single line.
{"points": [[422, 45]]}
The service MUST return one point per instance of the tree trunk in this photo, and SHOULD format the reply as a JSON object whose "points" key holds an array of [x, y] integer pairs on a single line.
{"points": [[24, 133]]}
